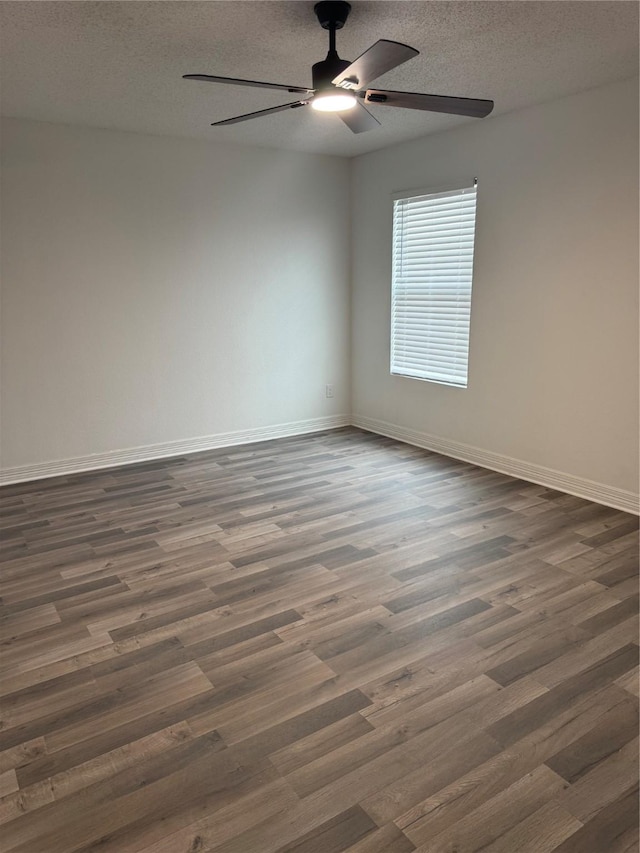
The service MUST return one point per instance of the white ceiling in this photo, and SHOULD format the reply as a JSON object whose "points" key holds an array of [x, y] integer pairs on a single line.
{"points": [[119, 64]]}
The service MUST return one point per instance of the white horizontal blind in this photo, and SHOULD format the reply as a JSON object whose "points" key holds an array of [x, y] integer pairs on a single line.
{"points": [[433, 238]]}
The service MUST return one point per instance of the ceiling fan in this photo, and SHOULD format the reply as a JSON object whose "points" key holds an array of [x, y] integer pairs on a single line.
{"points": [[340, 86]]}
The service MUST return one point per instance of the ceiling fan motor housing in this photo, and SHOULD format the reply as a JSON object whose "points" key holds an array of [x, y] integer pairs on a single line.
{"points": [[322, 73]]}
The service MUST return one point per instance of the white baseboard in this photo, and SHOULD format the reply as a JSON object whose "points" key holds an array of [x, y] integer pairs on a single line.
{"points": [[579, 486], [115, 458]]}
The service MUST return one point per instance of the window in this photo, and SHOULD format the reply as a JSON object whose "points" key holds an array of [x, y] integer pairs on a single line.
{"points": [[433, 236]]}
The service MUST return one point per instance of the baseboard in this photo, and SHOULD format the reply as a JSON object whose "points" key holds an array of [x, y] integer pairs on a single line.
{"points": [[116, 458], [579, 486]]}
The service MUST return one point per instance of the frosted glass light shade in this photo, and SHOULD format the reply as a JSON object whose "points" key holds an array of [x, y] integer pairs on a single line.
{"points": [[333, 102]]}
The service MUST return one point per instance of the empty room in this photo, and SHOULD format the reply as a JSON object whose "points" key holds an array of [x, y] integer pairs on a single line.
{"points": [[319, 449]]}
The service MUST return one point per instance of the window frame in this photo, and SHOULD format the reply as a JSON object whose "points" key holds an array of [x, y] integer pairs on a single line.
{"points": [[395, 368]]}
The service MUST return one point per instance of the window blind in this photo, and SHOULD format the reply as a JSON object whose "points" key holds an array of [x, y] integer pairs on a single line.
{"points": [[433, 238]]}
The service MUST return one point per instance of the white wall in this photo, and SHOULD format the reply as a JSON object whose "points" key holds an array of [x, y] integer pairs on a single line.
{"points": [[159, 289], [553, 376]]}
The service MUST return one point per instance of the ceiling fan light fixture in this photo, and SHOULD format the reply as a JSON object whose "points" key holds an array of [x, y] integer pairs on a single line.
{"points": [[334, 102]]}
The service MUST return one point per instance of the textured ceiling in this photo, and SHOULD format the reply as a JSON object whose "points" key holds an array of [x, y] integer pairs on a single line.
{"points": [[119, 64]]}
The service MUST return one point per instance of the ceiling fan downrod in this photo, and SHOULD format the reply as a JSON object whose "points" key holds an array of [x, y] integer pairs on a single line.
{"points": [[332, 15]]}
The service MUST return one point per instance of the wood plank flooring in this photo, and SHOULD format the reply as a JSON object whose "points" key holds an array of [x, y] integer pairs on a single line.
{"points": [[320, 644]]}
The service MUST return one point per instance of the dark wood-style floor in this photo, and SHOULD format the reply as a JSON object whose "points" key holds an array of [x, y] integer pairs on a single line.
{"points": [[320, 644]]}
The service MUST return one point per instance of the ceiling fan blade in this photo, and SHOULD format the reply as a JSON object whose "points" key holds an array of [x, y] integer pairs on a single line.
{"points": [[378, 59], [209, 78], [359, 119], [474, 107], [259, 113]]}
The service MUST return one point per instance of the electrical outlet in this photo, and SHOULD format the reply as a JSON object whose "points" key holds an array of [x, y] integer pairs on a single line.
{"points": [[328, 390]]}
